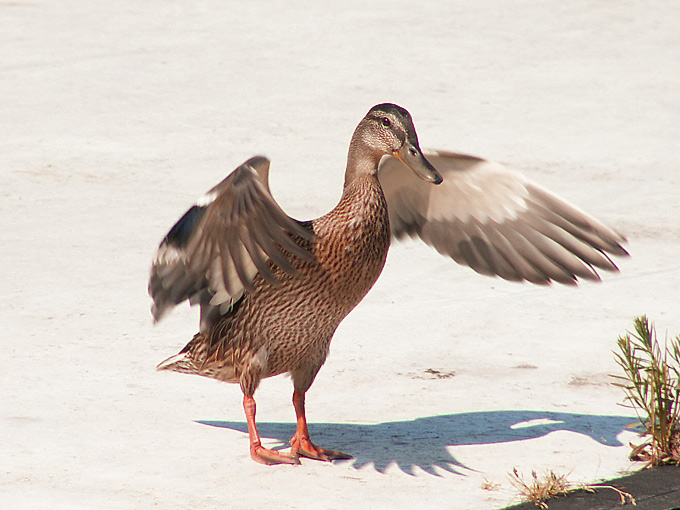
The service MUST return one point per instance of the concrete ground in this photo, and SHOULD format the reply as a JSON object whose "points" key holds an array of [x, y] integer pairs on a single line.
{"points": [[116, 116]]}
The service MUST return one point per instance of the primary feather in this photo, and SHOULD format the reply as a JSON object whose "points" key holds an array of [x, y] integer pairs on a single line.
{"points": [[497, 222]]}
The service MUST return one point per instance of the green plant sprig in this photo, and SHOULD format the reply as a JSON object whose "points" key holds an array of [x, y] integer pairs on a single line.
{"points": [[651, 382]]}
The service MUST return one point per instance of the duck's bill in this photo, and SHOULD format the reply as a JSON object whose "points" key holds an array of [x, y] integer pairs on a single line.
{"points": [[413, 158]]}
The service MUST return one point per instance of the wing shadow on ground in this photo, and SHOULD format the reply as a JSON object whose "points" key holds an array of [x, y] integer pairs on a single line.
{"points": [[422, 442]]}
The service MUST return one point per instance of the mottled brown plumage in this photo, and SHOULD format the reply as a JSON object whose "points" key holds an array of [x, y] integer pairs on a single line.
{"points": [[273, 290], [287, 327]]}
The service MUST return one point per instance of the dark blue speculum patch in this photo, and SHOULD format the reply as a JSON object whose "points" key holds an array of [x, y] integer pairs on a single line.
{"points": [[181, 232]]}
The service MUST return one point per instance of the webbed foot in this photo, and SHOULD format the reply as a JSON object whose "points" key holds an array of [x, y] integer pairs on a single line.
{"points": [[270, 457], [303, 447]]}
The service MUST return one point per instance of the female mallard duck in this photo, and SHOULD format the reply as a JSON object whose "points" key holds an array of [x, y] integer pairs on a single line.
{"points": [[272, 290]]}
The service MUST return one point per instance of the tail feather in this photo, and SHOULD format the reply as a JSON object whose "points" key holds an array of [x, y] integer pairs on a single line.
{"points": [[181, 362], [196, 359]]}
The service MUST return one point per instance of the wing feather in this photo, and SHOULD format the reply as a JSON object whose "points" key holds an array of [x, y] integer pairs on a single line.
{"points": [[213, 253], [497, 222]]}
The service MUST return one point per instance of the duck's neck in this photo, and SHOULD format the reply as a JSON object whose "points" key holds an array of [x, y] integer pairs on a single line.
{"points": [[361, 162]]}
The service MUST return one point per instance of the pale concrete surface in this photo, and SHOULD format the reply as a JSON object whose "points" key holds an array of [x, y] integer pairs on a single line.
{"points": [[116, 116]]}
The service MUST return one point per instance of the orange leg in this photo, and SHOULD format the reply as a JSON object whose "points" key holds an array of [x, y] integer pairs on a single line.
{"points": [[300, 442], [258, 452]]}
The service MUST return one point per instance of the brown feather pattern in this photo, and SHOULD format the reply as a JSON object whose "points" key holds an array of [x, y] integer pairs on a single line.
{"points": [[497, 222], [288, 327], [273, 290]]}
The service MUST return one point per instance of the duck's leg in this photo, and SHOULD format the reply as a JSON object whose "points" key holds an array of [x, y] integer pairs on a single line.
{"points": [[258, 452], [300, 442]]}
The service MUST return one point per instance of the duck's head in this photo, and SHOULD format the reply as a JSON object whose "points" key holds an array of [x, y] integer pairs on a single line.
{"points": [[387, 129]]}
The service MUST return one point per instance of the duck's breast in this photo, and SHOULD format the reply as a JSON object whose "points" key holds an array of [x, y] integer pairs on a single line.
{"points": [[352, 242]]}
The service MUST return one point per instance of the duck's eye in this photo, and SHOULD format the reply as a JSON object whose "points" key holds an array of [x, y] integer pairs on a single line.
{"points": [[386, 122]]}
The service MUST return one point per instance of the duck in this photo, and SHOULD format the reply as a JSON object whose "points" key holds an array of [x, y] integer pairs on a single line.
{"points": [[272, 289]]}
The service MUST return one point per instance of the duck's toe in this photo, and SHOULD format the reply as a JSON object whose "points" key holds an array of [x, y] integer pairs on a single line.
{"points": [[270, 457], [303, 447]]}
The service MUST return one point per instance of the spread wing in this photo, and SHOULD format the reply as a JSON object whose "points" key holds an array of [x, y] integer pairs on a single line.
{"points": [[235, 231], [496, 221]]}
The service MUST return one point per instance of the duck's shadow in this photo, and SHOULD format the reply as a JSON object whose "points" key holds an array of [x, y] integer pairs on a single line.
{"points": [[422, 442]]}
